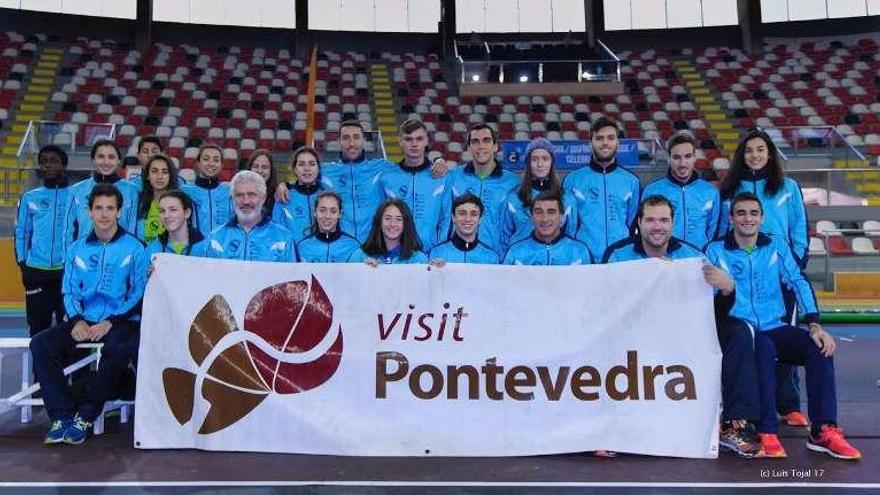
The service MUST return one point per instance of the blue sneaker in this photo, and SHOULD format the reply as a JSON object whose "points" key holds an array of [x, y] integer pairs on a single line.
{"points": [[56, 432], [77, 432]]}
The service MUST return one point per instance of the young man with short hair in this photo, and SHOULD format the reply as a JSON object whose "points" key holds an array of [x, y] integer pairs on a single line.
{"points": [[607, 194], [39, 240], [760, 266], [484, 178], [251, 235], [104, 279], [696, 201], [411, 181], [464, 245], [548, 244]]}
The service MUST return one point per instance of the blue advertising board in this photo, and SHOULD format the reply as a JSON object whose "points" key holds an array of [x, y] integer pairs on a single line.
{"points": [[570, 155]]}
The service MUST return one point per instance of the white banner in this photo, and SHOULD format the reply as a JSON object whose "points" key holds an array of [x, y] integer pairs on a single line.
{"points": [[467, 360]]}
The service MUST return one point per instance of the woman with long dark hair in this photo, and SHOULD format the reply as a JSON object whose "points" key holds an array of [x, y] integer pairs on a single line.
{"points": [[296, 215], [392, 239], [327, 243], [261, 162], [160, 175], [756, 169], [539, 176]]}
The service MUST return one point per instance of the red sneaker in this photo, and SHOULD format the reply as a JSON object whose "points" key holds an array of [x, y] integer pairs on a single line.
{"points": [[605, 453], [795, 418], [832, 442], [770, 446]]}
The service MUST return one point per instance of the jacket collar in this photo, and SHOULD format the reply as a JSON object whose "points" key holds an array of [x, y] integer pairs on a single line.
{"points": [[207, 183], [554, 241], [359, 159], [639, 246], [731, 245], [195, 237], [756, 175], [93, 238], [328, 237], [496, 171], [263, 221], [598, 168], [462, 244], [105, 179], [693, 178], [58, 183], [414, 170], [542, 185], [307, 189]]}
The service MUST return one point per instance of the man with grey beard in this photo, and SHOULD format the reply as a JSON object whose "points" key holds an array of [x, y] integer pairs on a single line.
{"points": [[250, 236]]}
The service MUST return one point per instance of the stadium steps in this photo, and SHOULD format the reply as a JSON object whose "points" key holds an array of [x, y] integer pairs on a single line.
{"points": [[717, 120], [384, 109], [31, 105], [866, 183]]}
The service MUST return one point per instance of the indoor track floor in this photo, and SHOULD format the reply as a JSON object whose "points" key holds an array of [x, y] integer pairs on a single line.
{"points": [[109, 464]]}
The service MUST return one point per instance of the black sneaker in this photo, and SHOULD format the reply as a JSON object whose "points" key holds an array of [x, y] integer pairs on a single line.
{"points": [[739, 437]]}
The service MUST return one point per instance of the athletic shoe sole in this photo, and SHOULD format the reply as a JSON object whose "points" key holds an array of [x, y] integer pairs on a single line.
{"points": [[731, 448], [826, 450]]}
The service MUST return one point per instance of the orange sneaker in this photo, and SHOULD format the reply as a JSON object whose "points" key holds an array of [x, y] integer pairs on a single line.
{"points": [[831, 442], [770, 446], [795, 418]]}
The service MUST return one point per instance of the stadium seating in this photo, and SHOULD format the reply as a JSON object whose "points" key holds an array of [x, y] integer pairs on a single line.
{"points": [[799, 84], [239, 98]]}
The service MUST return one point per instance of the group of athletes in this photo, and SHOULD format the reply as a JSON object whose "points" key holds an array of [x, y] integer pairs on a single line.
{"points": [[84, 249]]}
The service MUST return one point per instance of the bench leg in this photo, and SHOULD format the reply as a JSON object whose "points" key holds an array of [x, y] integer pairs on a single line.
{"points": [[27, 410]]}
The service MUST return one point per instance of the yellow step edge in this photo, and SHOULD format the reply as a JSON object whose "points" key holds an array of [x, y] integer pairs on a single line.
{"points": [[50, 57], [710, 108], [727, 136], [47, 64], [690, 76], [53, 49], [720, 126], [382, 95], [36, 98], [44, 72], [874, 188], [695, 83], [385, 111], [42, 81], [8, 162], [39, 88], [9, 149], [384, 102], [851, 164], [19, 128], [25, 118], [700, 92], [32, 107], [858, 176], [704, 99], [714, 116], [386, 120], [387, 129]]}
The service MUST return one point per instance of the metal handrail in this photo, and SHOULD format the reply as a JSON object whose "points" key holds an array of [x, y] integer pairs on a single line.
{"points": [[24, 140], [829, 129]]}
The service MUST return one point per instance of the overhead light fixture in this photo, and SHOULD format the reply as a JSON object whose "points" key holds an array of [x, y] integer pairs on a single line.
{"points": [[523, 78], [475, 78]]}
